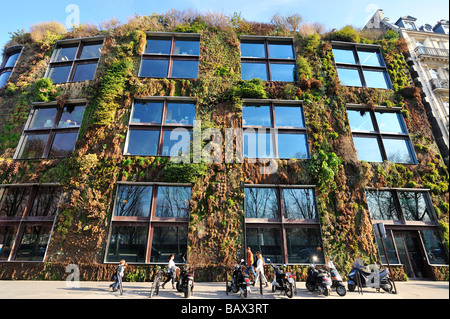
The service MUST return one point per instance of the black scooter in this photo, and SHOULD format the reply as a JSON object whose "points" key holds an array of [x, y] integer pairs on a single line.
{"points": [[282, 281], [318, 279], [186, 282], [359, 277], [239, 281], [336, 280]]}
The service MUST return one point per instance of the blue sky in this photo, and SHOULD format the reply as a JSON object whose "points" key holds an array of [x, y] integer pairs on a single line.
{"points": [[332, 14]]}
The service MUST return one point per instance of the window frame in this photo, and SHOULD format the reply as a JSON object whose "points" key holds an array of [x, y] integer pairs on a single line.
{"points": [[282, 223], [267, 60], [6, 56], [355, 47], [170, 57], [379, 135], [80, 44], [150, 221]]}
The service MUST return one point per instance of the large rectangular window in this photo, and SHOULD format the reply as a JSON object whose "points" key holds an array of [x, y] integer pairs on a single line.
{"points": [[268, 58], [27, 214], [360, 65], [51, 131], [10, 57], [149, 223], [380, 135], [75, 60], [171, 56], [282, 223], [274, 129]]}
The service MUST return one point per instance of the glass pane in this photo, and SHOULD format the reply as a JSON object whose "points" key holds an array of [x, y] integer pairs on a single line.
{"points": [[281, 51], [389, 122], [367, 149], [187, 47], [184, 69], [299, 203], [180, 113], [370, 58], [91, 51], [390, 248], [147, 112], [176, 142], [344, 56], [173, 201], [133, 201], [167, 241], [283, 72], [85, 72], [60, 74], [349, 77], [436, 252], [376, 79], [256, 115], [253, 70], [43, 118], [34, 243], [159, 46], [63, 145], [144, 143], [46, 202], [292, 145], [4, 77], [289, 116], [397, 151], [154, 68], [360, 121], [128, 243], [34, 146], [266, 241], [414, 206], [13, 201], [303, 244], [258, 145], [65, 54], [253, 50], [72, 116], [11, 62], [261, 203], [381, 205], [7, 237]]}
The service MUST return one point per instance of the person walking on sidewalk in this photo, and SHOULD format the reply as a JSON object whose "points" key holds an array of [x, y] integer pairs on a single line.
{"points": [[171, 273], [260, 269], [120, 271], [250, 261]]}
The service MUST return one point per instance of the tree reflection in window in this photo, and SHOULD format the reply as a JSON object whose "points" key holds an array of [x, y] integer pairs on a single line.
{"points": [[173, 201], [261, 203], [13, 201], [414, 206], [34, 243], [133, 201], [381, 205], [299, 203]]}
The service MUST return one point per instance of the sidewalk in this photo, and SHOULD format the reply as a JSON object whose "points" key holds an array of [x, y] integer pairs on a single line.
{"points": [[204, 290]]}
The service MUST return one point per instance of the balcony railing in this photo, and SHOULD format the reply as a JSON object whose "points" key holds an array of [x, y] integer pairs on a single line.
{"points": [[421, 50], [439, 84]]}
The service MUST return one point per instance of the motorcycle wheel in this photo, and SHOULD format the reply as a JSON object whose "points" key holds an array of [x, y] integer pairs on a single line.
{"points": [[178, 286], [341, 291], [326, 292], [274, 288], [351, 287], [245, 294], [234, 288], [290, 291], [310, 286], [391, 286]]}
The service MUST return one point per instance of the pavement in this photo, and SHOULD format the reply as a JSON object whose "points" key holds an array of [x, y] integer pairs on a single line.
{"points": [[205, 290]]}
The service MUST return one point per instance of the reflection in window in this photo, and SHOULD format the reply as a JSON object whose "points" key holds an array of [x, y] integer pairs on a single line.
{"points": [[349, 77], [376, 79], [389, 245], [13, 201], [258, 145], [414, 206], [7, 236], [4, 77], [147, 112], [342, 55], [261, 203], [128, 243], [253, 71], [303, 244], [167, 241], [63, 145], [265, 240], [34, 243], [398, 151], [299, 203], [381, 205], [143, 143], [367, 149], [292, 145], [360, 121], [10, 57], [133, 201], [289, 116], [436, 251], [46, 202], [173, 201], [283, 72]]}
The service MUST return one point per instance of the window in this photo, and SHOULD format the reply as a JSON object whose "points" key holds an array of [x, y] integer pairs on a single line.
{"points": [[10, 58], [269, 59], [75, 61], [51, 131], [27, 214], [149, 223], [274, 129], [380, 135], [282, 223], [360, 65], [160, 127], [171, 56]]}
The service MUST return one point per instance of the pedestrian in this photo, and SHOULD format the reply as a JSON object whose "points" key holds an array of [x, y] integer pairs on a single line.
{"points": [[120, 271], [250, 262], [172, 271], [260, 269]]}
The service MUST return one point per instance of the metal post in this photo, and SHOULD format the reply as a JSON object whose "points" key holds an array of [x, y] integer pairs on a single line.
{"points": [[260, 284]]}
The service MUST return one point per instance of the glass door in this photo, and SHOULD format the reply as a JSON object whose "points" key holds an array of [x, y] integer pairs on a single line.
{"points": [[408, 249]]}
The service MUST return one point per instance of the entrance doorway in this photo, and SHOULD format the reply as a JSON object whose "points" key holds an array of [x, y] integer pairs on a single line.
{"points": [[410, 253]]}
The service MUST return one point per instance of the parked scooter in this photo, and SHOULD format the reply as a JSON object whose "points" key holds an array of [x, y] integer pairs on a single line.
{"points": [[240, 281], [186, 282], [318, 279], [282, 281], [336, 280], [360, 277]]}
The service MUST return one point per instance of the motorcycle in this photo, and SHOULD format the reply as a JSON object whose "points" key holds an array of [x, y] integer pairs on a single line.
{"points": [[186, 282], [239, 281], [360, 277], [318, 279], [336, 280], [282, 281]]}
